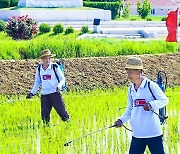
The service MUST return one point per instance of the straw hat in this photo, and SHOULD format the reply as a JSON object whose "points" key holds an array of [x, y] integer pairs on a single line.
{"points": [[134, 63], [45, 53]]}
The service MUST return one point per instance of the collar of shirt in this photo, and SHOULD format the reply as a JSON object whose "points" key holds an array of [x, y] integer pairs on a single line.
{"points": [[143, 84], [48, 68]]}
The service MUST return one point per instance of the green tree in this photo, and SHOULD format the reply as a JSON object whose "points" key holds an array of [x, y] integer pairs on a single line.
{"points": [[143, 9], [126, 11]]}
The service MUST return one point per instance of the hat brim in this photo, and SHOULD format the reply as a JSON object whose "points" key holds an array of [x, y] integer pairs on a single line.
{"points": [[134, 67], [45, 55]]}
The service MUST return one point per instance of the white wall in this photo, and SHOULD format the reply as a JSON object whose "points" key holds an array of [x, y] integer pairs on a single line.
{"points": [[163, 10], [58, 15], [50, 3]]}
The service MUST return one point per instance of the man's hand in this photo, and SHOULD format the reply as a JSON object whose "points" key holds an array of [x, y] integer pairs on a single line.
{"points": [[147, 107], [29, 96], [118, 123]]}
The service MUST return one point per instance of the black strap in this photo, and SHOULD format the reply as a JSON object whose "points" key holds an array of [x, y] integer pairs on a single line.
{"points": [[39, 66], [54, 68], [151, 90]]}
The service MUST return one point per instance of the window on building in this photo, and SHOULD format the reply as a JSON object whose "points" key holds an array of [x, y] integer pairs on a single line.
{"points": [[153, 11]]}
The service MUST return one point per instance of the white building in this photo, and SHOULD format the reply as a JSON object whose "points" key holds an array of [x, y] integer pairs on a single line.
{"points": [[50, 3], [158, 7]]}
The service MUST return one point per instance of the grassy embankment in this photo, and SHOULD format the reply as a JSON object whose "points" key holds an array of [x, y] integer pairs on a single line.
{"points": [[67, 46]]}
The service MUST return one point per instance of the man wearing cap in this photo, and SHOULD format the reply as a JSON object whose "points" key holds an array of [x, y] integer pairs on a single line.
{"points": [[50, 87], [145, 124]]}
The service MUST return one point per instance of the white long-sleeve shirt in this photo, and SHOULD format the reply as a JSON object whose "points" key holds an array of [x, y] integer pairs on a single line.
{"points": [[145, 124], [47, 79]]}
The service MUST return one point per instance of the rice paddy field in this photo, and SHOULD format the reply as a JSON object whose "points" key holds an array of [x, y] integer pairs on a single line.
{"points": [[22, 131]]}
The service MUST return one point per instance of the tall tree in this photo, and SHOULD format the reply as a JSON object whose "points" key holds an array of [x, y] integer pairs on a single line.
{"points": [[143, 9]]}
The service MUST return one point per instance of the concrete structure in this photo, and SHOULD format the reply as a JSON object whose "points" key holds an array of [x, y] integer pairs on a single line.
{"points": [[58, 15], [50, 3], [158, 7], [123, 29]]}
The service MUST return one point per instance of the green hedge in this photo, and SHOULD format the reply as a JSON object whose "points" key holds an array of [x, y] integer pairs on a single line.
{"points": [[113, 6], [8, 3], [13, 3], [4, 3]]}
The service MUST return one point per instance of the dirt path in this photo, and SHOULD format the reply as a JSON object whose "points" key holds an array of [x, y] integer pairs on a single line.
{"points": [[87, 73]]}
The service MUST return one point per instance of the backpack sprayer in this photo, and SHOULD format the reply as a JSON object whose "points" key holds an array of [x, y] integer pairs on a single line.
{"points": [[162, 83]]}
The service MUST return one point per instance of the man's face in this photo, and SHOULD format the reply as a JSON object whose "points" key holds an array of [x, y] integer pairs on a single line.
{"points": [[46, 60], [133, 75]]}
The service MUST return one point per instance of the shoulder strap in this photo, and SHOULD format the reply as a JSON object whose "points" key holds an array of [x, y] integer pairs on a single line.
{"points": [[39, 66], [54, 69], [151, 90]]}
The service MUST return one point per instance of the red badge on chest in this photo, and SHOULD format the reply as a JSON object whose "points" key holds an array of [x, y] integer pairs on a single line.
{"points": [[139, 102], [46, 77]]}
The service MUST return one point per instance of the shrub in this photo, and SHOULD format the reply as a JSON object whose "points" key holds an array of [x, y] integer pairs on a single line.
{"points": [[113, 6], [133, 19], [58, 28], [148, 19], [44, 28], [84, 29], [2, 25], [21, 27], [4, 3], [69, 30], [163, 18]]}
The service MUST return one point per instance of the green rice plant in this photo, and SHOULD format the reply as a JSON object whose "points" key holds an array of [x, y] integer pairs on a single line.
{"points": [[2, 25], [22, 130], [9, 52]]}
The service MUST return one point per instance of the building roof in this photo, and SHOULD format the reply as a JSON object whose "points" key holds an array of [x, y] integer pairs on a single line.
{"points": [[154, 2]]}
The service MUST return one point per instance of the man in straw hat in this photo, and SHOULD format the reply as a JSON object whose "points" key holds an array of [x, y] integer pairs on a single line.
{"points": [[50, 87], [145, 124]]}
